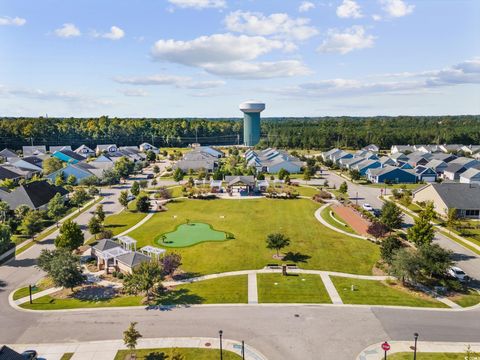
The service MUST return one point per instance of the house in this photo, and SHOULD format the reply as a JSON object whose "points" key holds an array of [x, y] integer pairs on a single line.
{"points": [[34, 150], [427, 148], [443, 157], [326, 155], [406, 166], [59, 148], [363, 166], [450, 148], [106, 148], [391, 175], [85, 151], [465, 198], [418, 158], [399, 158], [35, 195], [471, 176], [425, 174], [131, 152], [126, 263], [6, 173], [32, 163], [7, 353], [196, 165], [371, 148], [23, 173], [453, 171], [340, 155], [347, 163], [438, 166], [148, 147], [7, 155], [80, 170], [470, 149], [273, 160], [239, 183], [401, 149], [68, 156], [209, 150], [385, 160]]}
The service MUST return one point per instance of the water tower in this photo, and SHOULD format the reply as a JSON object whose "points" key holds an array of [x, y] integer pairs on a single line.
{"points": [[251, 121]]}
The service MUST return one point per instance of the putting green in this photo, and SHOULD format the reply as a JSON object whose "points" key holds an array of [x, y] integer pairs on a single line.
{"points": [[190, 234]]}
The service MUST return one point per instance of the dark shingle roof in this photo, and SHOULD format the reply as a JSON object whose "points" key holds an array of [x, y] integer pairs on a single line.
{"points": [[7, 353], [7, 174], [72, 155], [105, 244], [133, 259], [33, 160], [34, 194], [459, 196]]}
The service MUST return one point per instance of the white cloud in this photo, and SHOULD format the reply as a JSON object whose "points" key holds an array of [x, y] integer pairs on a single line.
{"points": [[199, 4], [16, 21], [229, 55], [278, 25], [396, 8], [376, 17], [177, 81], [67, 30], [353, 38], [115, 33], [306, 6], [349, 9], [134, 92]]}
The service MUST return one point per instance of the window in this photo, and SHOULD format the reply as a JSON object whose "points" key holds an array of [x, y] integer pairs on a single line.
{"points": [[472, 213]]}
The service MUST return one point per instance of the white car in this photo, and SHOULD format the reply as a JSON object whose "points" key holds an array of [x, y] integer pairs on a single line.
{"points": [[457, 273], [130, 197], [367, 207]]}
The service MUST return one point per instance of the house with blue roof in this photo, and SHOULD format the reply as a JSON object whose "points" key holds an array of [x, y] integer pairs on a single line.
{"points": [[425, 174], [363, 166], [68, 156], [391, 175]]}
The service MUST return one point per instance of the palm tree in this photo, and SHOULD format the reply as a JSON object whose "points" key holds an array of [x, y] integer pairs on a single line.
{"points": [[277, 241]]}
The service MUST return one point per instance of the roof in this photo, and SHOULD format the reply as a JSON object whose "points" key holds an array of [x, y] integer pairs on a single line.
{"points": [[470, 173], [435, 163], [247, 180], [386, 170], [443, 156], [33, 160], [71, 154], [8, 153], [133, 258], [7, 353], [105, 244], [398, 155], [8, 174], [59, 148], [454, 168], [34, 194], [33, 150], [457, 195], [83, 147]]}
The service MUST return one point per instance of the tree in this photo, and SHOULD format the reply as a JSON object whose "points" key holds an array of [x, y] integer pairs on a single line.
{"points": [[135, 189], [143, 203], [452, 218], [79, 197], [51, 165], [391, 215], [422, 232], [31, 223], [389, 247], [99, 213], [22, 211], [59, 179], [8, 183], [93, 191], [306, 174], [62, 266], [282, 173], [355, 174], [154, 182], [130, 337], [4, 210], [143, 278], [151, 156], [429, 211], [143, 184], [170, 263], [5, 238], [123, 198], [435, 259], [124, 167], [343, 188], [71, 180], [56, 207], [156, 169], [377, 229], [178, 175], [94, 225], [70, 237], [277, 241], [110, 177], [406, 265]]}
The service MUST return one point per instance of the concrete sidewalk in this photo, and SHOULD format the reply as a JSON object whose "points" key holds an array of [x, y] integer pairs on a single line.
{"points": [[106, 350]]}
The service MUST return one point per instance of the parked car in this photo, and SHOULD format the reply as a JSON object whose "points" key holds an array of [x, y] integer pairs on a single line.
{"points": [[150, 176], [130, 197], [30, 355], [367, 207], [457, 273]]}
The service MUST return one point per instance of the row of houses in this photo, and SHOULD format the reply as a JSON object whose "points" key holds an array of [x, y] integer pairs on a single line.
{"points": [[272, 161], [200, 158], [35, 195], [444, 148]]}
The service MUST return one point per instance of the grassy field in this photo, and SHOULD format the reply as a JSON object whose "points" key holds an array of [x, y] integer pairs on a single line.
{"points": [[226, 290], [465, 300], [312, 245], [188, 354], [396, 186], [306, 191], [190, 234], [176, 191], [298, 288], [48, 302], [428, 356], [373, 292], [41, 285], [120, 222], [325, 214]]}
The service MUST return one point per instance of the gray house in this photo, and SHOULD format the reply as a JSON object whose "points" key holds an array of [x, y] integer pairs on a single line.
{"points": [[35, 195]]}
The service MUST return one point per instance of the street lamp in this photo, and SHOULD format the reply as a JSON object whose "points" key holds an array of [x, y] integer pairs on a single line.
{"points": [[220, 333], [415, 335], [356, 198]]}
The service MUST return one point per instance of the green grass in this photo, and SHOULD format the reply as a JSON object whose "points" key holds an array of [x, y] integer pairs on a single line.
{"points": [[397, 186], [427, 356], [190, 234], [188, 354], [48, 302], [41, 285], [66, 356], [325, 214], [176, 191], [373, 292], [306, 191], [118, 223], [465, 300], [312, 245], [294, 288], [225, 290]]}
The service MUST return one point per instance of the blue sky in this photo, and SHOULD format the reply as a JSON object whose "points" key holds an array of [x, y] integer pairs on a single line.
{"points": [[196, 58]]}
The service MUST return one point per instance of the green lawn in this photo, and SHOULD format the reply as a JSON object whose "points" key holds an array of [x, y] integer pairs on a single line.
{"points": [[225, 290], [397, 186], [373, 292], [120, 222], [190, 234], [312, 245], [41, 285], [325, 214], [465, 300], [306, 191], [188, 354], [297, 288], [176, 191], [47, 302], [427, 356]]}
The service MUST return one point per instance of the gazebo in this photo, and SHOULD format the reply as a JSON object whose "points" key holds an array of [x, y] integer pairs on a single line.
{"points": [[241, 182], [111, 254], [128, 243], [152, 251]]}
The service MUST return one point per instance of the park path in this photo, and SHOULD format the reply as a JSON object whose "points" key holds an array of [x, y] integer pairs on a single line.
{"points": [[331, 290], [352, 218], [252, 289], [318, 216]]}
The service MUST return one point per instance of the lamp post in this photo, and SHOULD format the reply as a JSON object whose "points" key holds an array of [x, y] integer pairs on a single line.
{"points": [[415, 335], [220, 333], [356, 198]]}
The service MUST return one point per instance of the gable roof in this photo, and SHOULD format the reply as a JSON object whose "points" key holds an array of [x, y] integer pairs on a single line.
{"points": [[84, 149], [133, 258], [247, 180], [7, 353], [7, 153], [471, 173], [34, 194], [59, 148], [105, 244], [34, 150], [71, 154], [436, 163], [458, 195], [5, 173], [33, 160]]}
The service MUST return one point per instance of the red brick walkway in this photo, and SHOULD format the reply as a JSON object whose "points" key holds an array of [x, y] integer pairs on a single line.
{"points": [[352, 218]]}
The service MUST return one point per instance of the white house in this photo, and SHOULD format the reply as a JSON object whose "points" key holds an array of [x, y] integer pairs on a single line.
{"points": [[471, 176], [148, 147], [85, 151]]}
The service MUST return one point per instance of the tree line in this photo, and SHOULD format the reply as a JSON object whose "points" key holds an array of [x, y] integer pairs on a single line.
{"points": [[313, 133]]}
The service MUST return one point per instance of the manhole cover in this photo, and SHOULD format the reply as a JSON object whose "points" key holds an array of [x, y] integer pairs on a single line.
{"points": [[207, 344], [297, 315]]}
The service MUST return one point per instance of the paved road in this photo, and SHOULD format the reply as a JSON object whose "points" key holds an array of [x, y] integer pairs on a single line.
{"points": [[318, 332], [465, 258]]}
